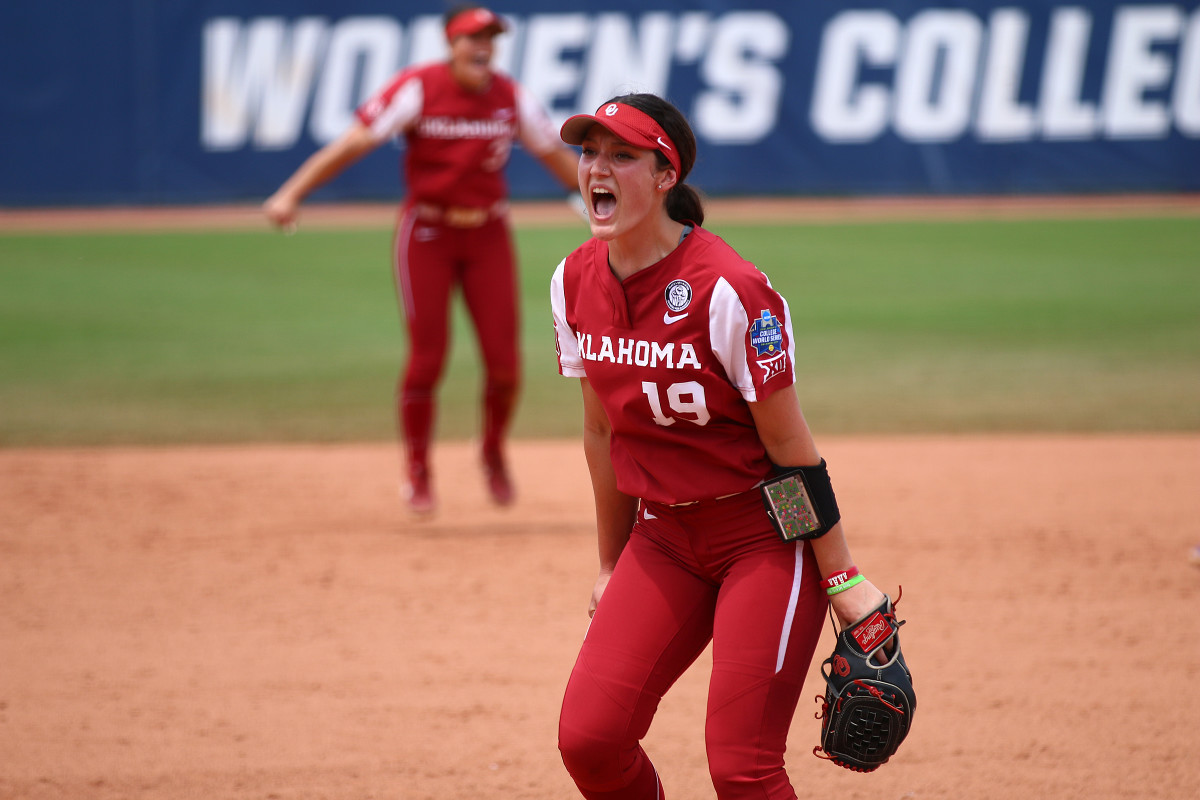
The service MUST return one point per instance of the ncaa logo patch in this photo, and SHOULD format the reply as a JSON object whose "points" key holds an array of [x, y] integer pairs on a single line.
{"points": [[678, 295], [765, 334]]}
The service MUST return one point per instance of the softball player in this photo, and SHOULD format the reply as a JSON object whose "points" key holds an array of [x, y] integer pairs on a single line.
{"points": [[685, 357], [459, 119]]}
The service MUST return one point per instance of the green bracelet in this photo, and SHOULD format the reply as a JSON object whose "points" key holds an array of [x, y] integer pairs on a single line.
{"points": [[841, 587]]}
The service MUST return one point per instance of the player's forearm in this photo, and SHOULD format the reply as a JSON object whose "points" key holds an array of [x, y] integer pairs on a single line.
{"points": [[832, 551], [789, 443], [833, 555], [564, 165], [613, 526], [327, 163], [615, 511], [320, 168]]}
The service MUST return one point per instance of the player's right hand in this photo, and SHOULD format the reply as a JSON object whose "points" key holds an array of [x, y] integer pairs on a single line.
{"points": [[281, 211], [598, 590]]}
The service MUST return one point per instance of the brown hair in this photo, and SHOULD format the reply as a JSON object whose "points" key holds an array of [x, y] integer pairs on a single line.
{"points": [[683, 201]]}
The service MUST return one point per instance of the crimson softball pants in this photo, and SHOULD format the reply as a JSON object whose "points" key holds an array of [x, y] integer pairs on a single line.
{"points": [[713, 571], [430, 261]]}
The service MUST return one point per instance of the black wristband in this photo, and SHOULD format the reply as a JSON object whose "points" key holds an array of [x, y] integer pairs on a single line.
{"points": [[800, 502]]}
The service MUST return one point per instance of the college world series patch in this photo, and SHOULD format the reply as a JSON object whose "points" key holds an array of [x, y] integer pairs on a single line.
{"points": [[766, 336]]}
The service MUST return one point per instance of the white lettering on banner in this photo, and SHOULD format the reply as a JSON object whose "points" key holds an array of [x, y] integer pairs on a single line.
{"points": [[1186, 99], [257, 80], [1002, 116], [259, 75], [935, 79], [620, 62], [363, 53], [545, 72], [1135, 69], [743, 103], [691, 38], [940, 75], [845, 109], [1063, 115], [954, 75]]}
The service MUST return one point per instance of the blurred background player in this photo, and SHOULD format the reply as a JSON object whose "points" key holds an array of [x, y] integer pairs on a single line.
{"points": [[459, 119]]}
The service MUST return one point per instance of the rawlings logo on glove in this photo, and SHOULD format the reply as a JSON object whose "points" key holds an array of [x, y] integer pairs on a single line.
{"points": [[868, 705]]}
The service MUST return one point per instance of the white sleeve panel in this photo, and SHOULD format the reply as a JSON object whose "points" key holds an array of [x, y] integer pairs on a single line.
{"points": [[534, 128], [791, 340], [727, 326], [402, 112], [787, 331], [569, 362]]}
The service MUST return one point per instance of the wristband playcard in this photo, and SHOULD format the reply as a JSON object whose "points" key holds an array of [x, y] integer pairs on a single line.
{"points": [[790, 507]]}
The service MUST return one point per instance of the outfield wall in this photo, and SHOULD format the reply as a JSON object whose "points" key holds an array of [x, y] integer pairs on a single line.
{"points": [[132, 101]]}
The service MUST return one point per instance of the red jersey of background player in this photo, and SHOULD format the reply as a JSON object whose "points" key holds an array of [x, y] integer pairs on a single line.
{"points": [[458, 140], [675, 352]]}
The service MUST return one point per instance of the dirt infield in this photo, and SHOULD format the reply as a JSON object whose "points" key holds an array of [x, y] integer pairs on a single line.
{"points": [[265, 622]]}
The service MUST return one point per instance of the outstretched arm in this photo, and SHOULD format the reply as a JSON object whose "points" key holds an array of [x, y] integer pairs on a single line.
{"points": [[317, 170], [563, 163], [616, 512], [540, 137], [789, 442]]}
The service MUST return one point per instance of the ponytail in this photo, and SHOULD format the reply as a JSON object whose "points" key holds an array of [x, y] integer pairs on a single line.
{"points": [[684, 204]]}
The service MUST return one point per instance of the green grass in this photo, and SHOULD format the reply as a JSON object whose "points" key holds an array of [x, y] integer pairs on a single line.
{"points": [[1081, 325]]}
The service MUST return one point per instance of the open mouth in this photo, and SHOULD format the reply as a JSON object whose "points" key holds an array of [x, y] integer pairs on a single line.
{"points": [[604, 203]]}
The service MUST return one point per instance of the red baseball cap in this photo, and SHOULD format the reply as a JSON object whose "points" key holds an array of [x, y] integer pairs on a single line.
{"points": [[626, 123], [473, 21]]}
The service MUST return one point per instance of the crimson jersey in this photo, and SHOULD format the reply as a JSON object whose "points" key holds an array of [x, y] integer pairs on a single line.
{"points": [[675, 352], [458, 141]]}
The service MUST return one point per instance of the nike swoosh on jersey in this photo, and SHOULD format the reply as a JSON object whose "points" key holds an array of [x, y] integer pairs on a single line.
{"points": [[669, 318]]}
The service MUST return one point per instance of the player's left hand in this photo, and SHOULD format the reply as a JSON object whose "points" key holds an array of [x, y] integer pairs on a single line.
{"points": [[869, 699], [855, 603]]}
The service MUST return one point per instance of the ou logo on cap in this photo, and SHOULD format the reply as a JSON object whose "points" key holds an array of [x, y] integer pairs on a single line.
{"points": [[612, 109]]}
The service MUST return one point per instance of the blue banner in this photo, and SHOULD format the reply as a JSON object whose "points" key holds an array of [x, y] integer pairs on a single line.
{"points": [[144, 102]]}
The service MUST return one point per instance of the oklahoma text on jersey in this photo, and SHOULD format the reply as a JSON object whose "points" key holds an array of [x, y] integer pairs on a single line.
{"points": [[457, 128], [638, 352]]}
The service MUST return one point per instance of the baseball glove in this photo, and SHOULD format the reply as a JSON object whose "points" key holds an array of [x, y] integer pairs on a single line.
{"points": [[868, 706]]}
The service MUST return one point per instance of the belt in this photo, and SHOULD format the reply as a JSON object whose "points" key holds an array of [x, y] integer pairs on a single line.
{"points": [[458, 216]]}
